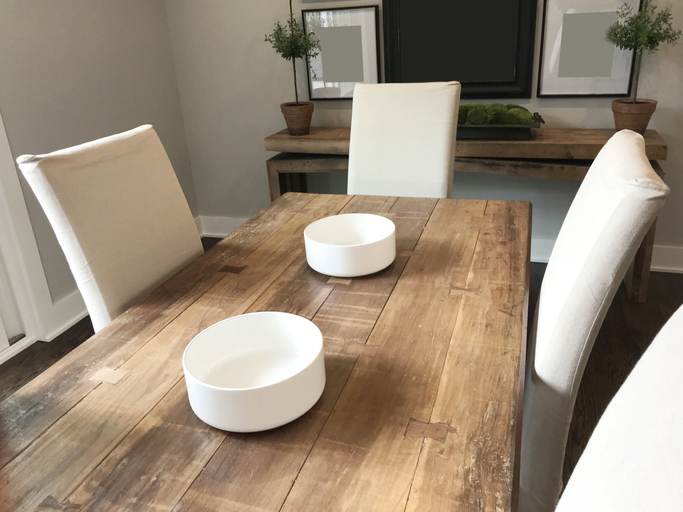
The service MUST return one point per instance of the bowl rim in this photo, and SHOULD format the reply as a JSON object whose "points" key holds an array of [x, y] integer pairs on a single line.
{"points": [[389, 235], [187, 372]]}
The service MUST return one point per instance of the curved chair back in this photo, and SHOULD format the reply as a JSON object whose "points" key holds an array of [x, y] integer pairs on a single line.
{"points": [[403, 139], [634, 459], [119, 214], [615, 206]]}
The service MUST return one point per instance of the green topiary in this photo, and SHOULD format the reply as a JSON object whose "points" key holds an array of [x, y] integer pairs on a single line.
{"points": [[642, 31], [293, 43]]}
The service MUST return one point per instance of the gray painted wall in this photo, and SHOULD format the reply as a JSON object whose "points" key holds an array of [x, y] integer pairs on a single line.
{"points": [[74, 71], [232, 82]]}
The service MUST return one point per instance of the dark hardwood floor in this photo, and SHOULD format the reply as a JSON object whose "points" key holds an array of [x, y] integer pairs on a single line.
{"points": [[40, 356], [626, 333]]}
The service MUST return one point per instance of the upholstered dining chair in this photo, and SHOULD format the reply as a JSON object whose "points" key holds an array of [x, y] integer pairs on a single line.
{"points": [[119, 214], [614, 207], [403, 139], [634, 459]]}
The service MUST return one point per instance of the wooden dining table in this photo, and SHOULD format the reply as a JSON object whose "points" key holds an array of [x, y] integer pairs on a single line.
{"points": [[425, 373]]}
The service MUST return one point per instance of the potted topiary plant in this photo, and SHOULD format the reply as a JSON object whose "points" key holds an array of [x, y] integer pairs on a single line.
{"points": [[293, 43], [642, 31]]}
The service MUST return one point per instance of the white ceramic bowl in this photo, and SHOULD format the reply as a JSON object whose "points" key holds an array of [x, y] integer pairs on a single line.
{"points": [[255, 372], [350, 245]]}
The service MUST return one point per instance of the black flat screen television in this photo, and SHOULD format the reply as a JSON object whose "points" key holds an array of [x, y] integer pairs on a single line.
{"points": [[486, 45]]}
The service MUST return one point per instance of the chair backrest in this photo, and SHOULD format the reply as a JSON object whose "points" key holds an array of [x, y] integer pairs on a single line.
{"points": [[613, 209], [634, 459], [119, 214], [403, 139]]}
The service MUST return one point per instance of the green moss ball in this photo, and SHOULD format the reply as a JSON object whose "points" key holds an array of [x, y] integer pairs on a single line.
{"points": [[477, 114], [519, 116]]}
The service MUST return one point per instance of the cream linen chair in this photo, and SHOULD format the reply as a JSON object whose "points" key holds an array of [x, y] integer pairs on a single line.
{"points": [[403, 139], [614, 207], [119, 214], [634, 459]]}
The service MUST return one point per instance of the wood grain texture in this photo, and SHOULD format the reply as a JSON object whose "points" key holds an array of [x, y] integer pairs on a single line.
{"points": [[543, 169], [30, 411], [107, 413], [484, 373], [338, 318], [554, 143], [625, 334], [121, 435]]}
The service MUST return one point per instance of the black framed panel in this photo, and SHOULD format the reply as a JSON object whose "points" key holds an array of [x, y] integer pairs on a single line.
{"points": [[486, 46]]}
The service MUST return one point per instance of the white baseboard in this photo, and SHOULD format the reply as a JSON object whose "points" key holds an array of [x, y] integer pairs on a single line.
{"points": [[541, 248], [668, 258], [13, 350], [218, 226], [65, 313]]}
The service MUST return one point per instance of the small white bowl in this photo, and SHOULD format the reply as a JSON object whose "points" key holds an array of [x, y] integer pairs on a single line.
{"points": [[350, 245], [255, 372]]}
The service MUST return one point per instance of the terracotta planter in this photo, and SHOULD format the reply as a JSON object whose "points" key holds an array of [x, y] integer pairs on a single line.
{"points": [[633, 116], [298, 116]]}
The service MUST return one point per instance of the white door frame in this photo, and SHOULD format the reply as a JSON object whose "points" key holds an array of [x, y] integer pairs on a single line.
{"points": [[42, 318], [4, 342]]}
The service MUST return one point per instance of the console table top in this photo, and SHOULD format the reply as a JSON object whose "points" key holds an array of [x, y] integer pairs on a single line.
{"points": [[548, 143]]}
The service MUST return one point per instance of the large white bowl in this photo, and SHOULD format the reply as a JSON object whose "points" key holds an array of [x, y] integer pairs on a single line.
{"points": [[350, 245], [255, 372]]}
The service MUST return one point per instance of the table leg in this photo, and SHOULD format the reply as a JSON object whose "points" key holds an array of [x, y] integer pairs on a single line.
{"points": [[638, 275], [273, 180]]}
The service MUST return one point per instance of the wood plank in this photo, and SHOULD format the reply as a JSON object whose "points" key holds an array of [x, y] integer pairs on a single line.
{"points": [[544, 169], [150, 469], [444, 253], [561, 143], [145, 488], [297, 162], [363, 447], [32, 409], [321, 140], [387, 339], [299, 290], [553, 143], [483, 372], [279, 457], [70, 449]]}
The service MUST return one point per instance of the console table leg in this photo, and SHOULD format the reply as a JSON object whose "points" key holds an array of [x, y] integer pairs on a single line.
{"points": [[273, 181], [638, 275]]}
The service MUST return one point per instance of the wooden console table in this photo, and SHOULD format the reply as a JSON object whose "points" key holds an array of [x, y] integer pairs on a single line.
{"points": [[552, 153]]}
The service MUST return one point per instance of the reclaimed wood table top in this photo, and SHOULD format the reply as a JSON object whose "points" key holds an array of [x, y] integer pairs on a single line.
{"points": [[424, 361], [546, 143]]}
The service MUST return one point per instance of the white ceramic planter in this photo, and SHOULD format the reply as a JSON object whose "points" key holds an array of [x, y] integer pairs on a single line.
{"points": [[255, 372], [350, 245]]}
